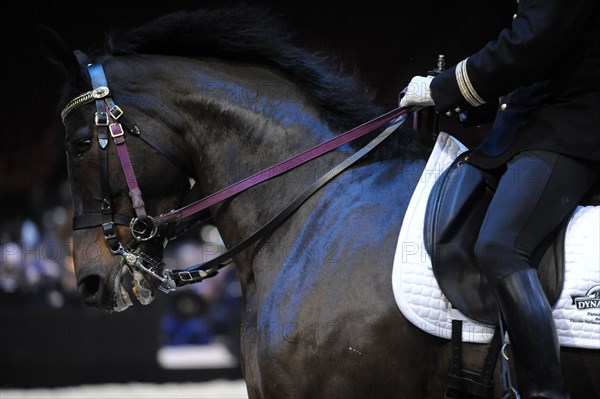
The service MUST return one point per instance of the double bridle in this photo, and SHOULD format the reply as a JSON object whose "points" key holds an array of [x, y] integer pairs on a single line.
{"points": [[112, 123]]}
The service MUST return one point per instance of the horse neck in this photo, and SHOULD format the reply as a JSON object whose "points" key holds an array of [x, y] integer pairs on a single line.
{"points": [[243, 119]]}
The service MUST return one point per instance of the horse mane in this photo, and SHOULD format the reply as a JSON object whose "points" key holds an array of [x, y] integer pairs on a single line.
{"points": [[250, 34]]}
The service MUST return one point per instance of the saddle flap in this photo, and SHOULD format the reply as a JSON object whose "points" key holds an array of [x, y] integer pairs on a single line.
{"points": [[455, 211]]}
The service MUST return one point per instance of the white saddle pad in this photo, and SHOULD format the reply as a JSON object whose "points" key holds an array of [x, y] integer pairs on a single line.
{"points": [[577, 312]]}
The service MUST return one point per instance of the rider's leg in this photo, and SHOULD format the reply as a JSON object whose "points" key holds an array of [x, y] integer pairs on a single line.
{"points": [[536, 193]]}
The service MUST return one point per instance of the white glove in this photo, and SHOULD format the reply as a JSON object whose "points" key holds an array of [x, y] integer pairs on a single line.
{"points": [[418, 92]]}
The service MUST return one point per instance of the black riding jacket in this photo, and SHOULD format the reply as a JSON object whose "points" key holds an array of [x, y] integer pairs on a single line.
{"points": [[542, 75]]}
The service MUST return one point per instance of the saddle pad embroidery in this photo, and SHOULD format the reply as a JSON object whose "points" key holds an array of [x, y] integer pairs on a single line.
{"points": [[577, 311]]}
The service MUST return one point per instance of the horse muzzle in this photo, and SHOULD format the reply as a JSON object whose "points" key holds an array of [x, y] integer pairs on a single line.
{"points": [[114, 293], [108, 280]]}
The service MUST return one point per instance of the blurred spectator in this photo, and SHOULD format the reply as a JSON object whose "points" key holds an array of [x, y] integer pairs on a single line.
{"points": [[185, 323], [212, 306], [36, 265]]}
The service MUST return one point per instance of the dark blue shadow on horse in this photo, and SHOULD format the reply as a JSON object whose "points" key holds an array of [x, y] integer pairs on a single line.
{"points": [[227, 93]]}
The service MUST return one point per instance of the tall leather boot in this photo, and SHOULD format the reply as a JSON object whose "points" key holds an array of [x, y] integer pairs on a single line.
{"points": [[528, 318]]}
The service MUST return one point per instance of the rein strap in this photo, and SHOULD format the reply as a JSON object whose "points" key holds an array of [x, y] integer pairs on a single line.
{"points": [[197, 273], [280, 168], [110, 120]]}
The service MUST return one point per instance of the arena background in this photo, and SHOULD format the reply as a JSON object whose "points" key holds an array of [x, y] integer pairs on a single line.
{"points": [[47, 337]]}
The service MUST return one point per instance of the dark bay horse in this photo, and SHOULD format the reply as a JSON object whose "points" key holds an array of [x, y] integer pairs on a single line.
{"points": [[231, 97]]}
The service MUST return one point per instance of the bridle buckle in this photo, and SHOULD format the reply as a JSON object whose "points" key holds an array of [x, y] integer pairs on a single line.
{"points": [[116, 111], [101, 119], [108, 230], [116, 130]]}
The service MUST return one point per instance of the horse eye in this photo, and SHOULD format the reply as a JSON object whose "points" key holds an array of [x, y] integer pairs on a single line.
{"points": [[81, 146]]}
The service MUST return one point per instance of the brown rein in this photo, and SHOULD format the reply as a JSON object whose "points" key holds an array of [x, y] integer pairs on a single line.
{"points": [[110, 119]]}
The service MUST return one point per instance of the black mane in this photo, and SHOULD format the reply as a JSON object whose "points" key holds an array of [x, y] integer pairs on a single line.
{"points": [[250, 34]]}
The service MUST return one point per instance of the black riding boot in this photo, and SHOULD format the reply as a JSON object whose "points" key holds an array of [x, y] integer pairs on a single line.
{"points": [[532, 333]]}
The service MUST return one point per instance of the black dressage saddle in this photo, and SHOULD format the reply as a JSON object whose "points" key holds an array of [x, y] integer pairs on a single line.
{"points": [[455, 211]]}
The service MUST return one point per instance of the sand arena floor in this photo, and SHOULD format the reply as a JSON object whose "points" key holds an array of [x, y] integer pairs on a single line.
{"points": [[220, 389]]}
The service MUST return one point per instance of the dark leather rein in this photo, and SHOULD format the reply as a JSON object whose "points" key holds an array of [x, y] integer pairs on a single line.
{"points": [[111, 123]]}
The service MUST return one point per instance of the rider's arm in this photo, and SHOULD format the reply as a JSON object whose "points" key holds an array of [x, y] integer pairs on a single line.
{"points": [[541, 32]]}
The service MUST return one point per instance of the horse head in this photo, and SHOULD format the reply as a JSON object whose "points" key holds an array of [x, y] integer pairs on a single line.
{"points": [[109, 235], [172, 88]]}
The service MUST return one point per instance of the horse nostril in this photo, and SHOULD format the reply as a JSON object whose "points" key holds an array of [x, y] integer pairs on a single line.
{"points": [[93, 291], [89, 287]]}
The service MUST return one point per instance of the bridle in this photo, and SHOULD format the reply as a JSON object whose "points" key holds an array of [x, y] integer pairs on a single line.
{"points": [[112, 123]]}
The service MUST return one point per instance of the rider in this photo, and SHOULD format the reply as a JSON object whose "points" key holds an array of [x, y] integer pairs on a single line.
{"points": [[545, 145]]}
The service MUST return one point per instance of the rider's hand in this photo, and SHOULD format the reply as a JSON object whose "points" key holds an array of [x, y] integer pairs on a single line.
{"points": [[418, 93]]}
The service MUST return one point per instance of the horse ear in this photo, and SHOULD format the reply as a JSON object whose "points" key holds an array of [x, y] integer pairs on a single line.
{"points": [[57, 53]]}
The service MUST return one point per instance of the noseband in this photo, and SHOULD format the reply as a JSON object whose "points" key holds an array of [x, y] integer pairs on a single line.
{"points": [[111, 122]]}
